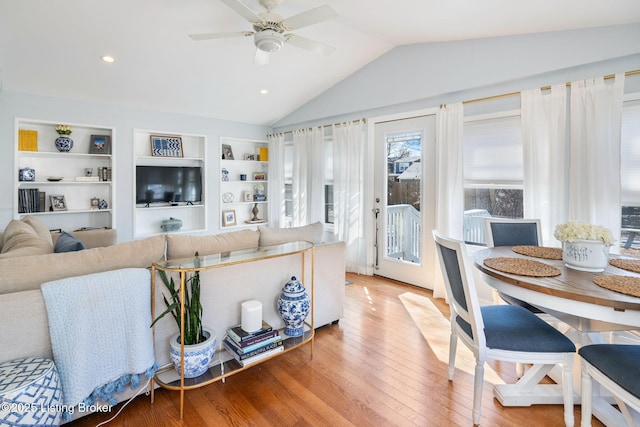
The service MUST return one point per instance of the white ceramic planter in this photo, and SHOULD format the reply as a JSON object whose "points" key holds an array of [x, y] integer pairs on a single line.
{"points": [[197, 357], [585, 255]]}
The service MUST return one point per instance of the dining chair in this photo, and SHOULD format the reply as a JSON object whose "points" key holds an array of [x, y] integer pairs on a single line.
{"points": [[501, 332], [513, 232], [616, 367]]}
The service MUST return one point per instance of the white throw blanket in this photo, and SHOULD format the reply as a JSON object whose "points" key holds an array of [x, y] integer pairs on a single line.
{"points": [[100, 335]]}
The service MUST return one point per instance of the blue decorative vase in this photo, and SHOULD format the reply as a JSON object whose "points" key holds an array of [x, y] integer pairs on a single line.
{"points": [[64, 143], [294, 305], [197, 357]]}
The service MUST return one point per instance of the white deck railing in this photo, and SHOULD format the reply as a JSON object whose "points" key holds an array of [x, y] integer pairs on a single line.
{"points": [[404, 232]]}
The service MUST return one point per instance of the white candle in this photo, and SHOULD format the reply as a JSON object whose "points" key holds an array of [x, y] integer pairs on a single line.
{"points": [[251, 315]]}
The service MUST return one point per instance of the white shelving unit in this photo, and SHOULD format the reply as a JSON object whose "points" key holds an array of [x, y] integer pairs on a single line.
{"points": [[48, 162], [148, 219], [234, 189]]}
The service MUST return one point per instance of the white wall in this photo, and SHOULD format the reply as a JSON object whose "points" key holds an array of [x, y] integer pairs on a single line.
{"points": [[418, 76], [20, 105]]}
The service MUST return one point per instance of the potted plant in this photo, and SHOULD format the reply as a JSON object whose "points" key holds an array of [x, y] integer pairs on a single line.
{"points": [[584, 246], [199, 343]]}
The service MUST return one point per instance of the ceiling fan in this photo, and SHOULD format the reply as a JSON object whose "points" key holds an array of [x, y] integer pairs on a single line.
{"points": [[270, 28]]}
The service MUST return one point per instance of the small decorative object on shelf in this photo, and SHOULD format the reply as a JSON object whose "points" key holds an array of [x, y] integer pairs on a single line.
{"points": [[166, 146], [58, 203], [259, 193], [227, 153], [171, 224], [227, 197], [27, 174], [100, 144], [103, 204], [247, 196], [294, 305], [255, 211], [63, 142], [95, 201], [229, 218], [225, 175], [584, 246]]}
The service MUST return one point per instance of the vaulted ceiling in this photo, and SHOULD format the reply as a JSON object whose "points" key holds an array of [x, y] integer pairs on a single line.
{"points": [[54, 47]]}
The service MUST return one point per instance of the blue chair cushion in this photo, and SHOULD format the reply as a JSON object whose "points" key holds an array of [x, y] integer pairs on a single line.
{"points": [[619, 362], [67, 243], [513, 328]]}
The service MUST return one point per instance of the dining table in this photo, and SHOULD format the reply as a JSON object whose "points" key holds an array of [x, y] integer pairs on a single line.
{"points": [[592, 312]]}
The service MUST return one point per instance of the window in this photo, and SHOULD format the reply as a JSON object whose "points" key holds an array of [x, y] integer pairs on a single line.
{"points": [[630, 176], [493, 171]]}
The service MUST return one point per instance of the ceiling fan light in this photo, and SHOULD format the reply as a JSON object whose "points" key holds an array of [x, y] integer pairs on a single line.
{"points": [[269, 41]]}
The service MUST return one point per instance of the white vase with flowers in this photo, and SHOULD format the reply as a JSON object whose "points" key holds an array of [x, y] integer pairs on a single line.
{"points": [[584, 246]]}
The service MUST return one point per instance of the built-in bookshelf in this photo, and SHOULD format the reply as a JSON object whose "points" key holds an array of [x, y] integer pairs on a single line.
{"points": [[67, 189]]}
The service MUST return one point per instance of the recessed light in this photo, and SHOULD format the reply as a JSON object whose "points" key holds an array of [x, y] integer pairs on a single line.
{"points": [[109, 59], [264, 91]]}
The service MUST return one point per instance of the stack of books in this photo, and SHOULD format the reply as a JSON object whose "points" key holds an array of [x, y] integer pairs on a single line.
{"points": [[249, 347]]}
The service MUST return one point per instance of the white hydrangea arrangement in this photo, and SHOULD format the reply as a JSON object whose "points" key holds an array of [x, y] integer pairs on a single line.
{"points": [[63, 129], [576, 230]]}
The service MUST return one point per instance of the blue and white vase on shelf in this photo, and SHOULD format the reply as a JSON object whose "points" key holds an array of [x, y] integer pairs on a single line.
{"points": [[64, 143], [294, 305]]}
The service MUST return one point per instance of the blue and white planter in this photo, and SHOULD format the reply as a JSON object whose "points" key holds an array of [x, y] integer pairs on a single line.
{"points": [[585, 255], [294, 305], [64, 143], [197, 357]]}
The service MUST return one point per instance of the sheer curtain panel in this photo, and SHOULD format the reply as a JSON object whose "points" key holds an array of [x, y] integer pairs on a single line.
{"points": [[450, 179], [545, 153], [594, 186], [276, 189], [349, 152], [307, 176]]}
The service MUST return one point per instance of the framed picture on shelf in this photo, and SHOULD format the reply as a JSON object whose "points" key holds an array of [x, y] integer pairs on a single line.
{"points": [[58, 203], [228, 218], [249, 156], [259, 176], [166, 146], [247, 196], [100, 144], [227, 153]]}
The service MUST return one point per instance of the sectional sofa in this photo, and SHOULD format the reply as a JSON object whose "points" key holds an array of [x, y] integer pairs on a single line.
{"points": [[27, 259]]}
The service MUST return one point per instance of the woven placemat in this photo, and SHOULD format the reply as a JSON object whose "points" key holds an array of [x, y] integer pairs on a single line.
{"points": [[522, 267], [539, 252], [624, 284], [626, 264]]}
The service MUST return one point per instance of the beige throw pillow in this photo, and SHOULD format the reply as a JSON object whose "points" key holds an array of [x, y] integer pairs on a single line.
{"points": [[20, 239], [274, 236], [184, 246]]}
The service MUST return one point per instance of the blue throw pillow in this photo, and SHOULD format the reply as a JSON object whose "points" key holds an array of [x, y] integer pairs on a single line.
{"points": [[67, 243]]}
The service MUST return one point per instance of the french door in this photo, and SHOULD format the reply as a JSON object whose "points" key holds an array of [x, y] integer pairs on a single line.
{"points": [[404, 199]]}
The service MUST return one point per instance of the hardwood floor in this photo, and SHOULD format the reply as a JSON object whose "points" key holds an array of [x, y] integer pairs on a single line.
{"points": [[374, 368]]}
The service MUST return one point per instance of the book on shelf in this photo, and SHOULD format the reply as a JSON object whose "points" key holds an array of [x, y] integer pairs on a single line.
{"points": [[238, 334], [260, 356], [257, 338], [248, 348], [29, 200], [251, 356]]}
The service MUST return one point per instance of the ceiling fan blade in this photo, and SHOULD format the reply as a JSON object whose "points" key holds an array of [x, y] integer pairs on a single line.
{"points": [[210, 36], [310, 17], [242, 10], [262, 57], [308, 44]]}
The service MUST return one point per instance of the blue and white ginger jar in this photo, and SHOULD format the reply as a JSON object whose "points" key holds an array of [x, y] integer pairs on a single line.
{"points": [[294, 305], [64, 143]]}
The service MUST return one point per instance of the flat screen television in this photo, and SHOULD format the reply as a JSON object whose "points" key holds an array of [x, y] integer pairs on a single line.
{"points": [[169, 184]]}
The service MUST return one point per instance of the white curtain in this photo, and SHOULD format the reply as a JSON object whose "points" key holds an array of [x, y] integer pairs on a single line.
{"points": [[450, 179], [349, 152], [545, 149], [307, 176], [276, 190], [594, 184]]}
